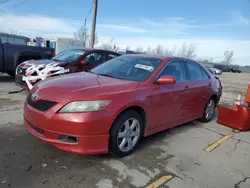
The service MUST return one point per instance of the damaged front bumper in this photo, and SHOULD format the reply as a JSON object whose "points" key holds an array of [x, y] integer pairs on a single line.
{"points": [[36, 73]]}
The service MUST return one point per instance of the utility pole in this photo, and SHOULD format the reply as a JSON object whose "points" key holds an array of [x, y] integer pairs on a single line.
{"points": [[92, 39], [85, 33]]}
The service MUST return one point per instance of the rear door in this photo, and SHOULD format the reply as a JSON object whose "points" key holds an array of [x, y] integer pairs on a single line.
{"points": [[200, 87]]}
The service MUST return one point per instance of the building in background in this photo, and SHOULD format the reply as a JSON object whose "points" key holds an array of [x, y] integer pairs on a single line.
{"points": [[13, 39]]}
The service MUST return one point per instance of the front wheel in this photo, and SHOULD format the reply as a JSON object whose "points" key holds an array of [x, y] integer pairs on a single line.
{"points": [[125, 134], [208, 111], [11, 73]]}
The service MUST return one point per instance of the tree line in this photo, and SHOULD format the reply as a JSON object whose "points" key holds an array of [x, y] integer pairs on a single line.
{"points": [[186, 50]]}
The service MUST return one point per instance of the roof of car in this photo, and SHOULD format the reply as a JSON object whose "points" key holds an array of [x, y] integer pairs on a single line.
{"points": [[156, 56], [92, 49]]}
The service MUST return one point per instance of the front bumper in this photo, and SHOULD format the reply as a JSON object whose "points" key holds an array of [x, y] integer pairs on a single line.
{"points": [[20, 83], [91, 130]]}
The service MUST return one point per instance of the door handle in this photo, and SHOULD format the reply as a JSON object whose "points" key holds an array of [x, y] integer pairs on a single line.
{"points": [[186, 91]]}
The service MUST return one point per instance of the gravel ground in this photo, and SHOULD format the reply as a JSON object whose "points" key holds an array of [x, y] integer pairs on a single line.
{"points": [[27, 162]]}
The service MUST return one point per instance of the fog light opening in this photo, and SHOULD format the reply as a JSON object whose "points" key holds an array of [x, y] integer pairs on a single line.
{"points": [[69, 139]]}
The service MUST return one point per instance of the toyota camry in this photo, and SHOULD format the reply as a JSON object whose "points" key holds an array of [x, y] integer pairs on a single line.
{"points": [[112, 107]]}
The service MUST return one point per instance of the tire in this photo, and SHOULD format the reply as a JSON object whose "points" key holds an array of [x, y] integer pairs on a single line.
{"points": [[205, 118], [119, 127], [11, 73]]}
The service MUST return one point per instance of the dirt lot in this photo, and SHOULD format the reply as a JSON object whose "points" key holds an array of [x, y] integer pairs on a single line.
{"points": [[27, 162]]}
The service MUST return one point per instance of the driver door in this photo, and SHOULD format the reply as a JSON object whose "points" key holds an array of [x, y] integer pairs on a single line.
{"points": [[92, 59], [168, 102]]}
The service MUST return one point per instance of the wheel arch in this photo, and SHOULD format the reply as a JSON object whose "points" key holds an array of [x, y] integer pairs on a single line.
{"points": [[216, 98], [22, 56], [137, 108]]}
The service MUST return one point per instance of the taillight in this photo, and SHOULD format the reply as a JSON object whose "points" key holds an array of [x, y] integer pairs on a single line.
{"points": [[53, 54]]}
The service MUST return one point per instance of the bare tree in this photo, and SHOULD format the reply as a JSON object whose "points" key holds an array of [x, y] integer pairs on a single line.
{"points": [[127, 47], [81, 34], [149, 50], [159, 50], [170, 52], [183, 50], [139, 49], [191, 51], [187, 51], [228, 57], [107, 45]]}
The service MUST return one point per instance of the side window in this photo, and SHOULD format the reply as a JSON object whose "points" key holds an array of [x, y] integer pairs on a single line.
{"points": [[194, 71], [95, 58], [176, 69], [121, 52], [204, 74], [111, 56]]}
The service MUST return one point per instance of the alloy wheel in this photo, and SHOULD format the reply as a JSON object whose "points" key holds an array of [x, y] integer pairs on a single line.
{"points": [[128, 135], [210, 109]]}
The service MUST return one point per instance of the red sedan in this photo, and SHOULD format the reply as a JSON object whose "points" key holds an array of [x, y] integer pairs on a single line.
{"points": [[112, 107], [31, 72]]}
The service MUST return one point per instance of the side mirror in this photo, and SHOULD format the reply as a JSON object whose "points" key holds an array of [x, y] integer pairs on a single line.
{"points": [[84, 62], [166, 80]]}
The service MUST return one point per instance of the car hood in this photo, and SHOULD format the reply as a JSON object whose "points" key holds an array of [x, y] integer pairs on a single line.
{"points": [[78, 86], [29, 63]]}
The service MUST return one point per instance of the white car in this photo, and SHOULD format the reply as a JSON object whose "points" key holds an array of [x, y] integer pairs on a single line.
{"points": [[213, 69]]}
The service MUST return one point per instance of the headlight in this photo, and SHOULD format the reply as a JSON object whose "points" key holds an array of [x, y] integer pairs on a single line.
{"points": [[84, 106]]}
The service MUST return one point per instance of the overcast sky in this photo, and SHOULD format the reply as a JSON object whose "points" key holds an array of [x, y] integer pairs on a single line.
{"points": [[214, 26]]}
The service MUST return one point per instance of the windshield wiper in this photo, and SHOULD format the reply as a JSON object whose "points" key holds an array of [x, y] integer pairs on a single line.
{"points": [[56, 60], [107, 75]]}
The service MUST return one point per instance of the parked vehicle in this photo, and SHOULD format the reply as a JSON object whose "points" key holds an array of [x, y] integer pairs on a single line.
{"points": [[234, 69], [69, 61], [13, 39], [210, 69], [110, 108], [217, 71], [58, 43], [214, 70], [122, 52], [228, 68], [11, 55]]}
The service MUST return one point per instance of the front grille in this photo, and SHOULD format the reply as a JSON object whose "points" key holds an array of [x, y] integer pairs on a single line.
{"points": [[41, 105]]}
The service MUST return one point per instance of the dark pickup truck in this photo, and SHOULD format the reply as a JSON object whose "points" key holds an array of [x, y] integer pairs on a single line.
{"points": [[228, 68], [11, 55]]}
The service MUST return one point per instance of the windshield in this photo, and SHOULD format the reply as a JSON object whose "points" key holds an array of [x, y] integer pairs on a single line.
{"points": [[128, 68], [69, 55]]}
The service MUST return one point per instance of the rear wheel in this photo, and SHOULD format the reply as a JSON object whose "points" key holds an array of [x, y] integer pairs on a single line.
{"points": [[208, 111], [125, 133]]}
